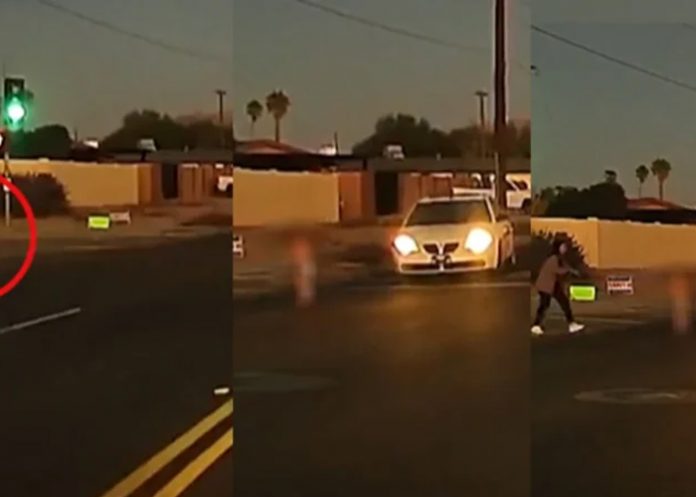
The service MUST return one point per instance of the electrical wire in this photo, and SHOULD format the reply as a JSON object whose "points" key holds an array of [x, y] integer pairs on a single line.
{"points": [[616, 60], [155, 42], [385, 27], [395, 30]]}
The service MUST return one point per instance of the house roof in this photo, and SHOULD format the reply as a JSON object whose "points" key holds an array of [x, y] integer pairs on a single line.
{"points": [[292, 162], [267, 147], [199, 156], [267, 154], [433, 164], [651, 203]]}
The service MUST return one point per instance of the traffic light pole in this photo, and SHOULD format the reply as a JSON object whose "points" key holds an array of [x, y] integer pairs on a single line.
{"points": [[6, 173]]}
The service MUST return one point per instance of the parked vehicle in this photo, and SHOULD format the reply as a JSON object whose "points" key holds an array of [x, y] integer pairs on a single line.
{"points": [[518, 194], [225, 184]]}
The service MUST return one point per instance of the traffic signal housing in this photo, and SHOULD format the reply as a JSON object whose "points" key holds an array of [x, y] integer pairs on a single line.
{"points": [[4, 141], [15, 106]]}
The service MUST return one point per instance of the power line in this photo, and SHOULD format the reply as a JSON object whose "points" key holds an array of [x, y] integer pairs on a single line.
{"points": [[386, 27], [161, 44], [396, 30], [628, 65]]}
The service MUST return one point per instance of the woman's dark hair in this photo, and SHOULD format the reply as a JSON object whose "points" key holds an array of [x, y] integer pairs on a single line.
{"points": [[556, 245]]}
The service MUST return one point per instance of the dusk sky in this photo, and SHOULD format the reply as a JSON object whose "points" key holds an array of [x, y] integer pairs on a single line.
{"points": [[340, 76], [612, 11], [85, 76], [591, 115]]}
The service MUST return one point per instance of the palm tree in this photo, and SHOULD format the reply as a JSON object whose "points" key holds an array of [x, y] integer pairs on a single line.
{"points": [[277, 104], [642, 173], [661, 169], [254, 110]]}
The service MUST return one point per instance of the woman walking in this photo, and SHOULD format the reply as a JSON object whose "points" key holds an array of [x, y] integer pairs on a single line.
{"points": [[549, 284]]}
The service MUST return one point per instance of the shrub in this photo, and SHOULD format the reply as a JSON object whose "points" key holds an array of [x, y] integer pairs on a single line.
{"points": [[540, 249], [44, 192], [602, 200]]}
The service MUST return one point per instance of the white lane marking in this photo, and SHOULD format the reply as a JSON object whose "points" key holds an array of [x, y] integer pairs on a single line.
{"points": [[41, 320], [443, 286]]}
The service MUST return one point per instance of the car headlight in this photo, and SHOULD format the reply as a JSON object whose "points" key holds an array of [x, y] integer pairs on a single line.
{"points": [[405, 245], [478, 240]]}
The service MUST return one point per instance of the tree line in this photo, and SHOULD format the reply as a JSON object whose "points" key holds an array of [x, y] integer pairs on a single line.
{"points": [[603, 200], [416, 136], [420, 139], [277, 105], [660, 169]]}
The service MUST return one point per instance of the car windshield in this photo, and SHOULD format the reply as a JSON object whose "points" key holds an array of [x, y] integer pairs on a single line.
{"points": [[455, 212]]}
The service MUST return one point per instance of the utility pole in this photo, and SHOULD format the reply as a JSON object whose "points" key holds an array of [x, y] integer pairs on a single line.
{"points": [[8, 176], [6, 158], [221, 115], [232, 134], [482, 95], [500, 84], [336, 142]]}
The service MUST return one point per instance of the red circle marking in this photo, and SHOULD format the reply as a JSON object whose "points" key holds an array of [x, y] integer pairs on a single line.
{"points": [[31, 248]]}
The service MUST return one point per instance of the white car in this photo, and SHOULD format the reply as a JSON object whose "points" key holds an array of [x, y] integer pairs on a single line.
{"points": [[518, 194], [454, 235], [225, 184]]}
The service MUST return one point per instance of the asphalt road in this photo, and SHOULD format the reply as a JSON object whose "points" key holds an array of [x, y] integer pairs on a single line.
{"points": [[380, 390], [582, 448], [87, 399]]}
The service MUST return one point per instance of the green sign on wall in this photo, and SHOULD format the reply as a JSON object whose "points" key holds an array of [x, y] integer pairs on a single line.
{"points": [[99, 222], [583, 293]]}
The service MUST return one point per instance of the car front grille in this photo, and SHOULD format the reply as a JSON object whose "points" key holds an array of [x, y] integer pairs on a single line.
{"points": [[437, 249], [467, 265], [450, 266], [450, 247], [431, 248]]}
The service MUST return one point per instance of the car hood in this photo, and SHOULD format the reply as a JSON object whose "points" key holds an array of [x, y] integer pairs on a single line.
{"points": [[443, 232]]}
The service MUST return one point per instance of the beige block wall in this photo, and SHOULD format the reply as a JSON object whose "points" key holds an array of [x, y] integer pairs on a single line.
{"points": [[92, 185], [263, 198], [627, 245], [636, 245]]}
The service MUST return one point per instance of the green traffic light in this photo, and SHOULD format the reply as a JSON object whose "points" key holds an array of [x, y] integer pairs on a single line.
{"points": [[16, 111]]}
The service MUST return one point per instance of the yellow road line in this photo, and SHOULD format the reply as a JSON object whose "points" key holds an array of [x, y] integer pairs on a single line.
{"points": [[197, 467], [133, 481]]}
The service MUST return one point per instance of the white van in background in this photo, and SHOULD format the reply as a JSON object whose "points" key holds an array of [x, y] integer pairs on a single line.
{"points": [[519, 189]]}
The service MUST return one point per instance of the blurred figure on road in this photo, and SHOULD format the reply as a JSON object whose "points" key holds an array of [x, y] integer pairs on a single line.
{"points": [[680, 292], [549, 284], [305, 270]]}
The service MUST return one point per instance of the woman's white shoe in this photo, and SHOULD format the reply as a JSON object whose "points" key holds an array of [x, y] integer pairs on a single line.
{"points": [[575, 327]]}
